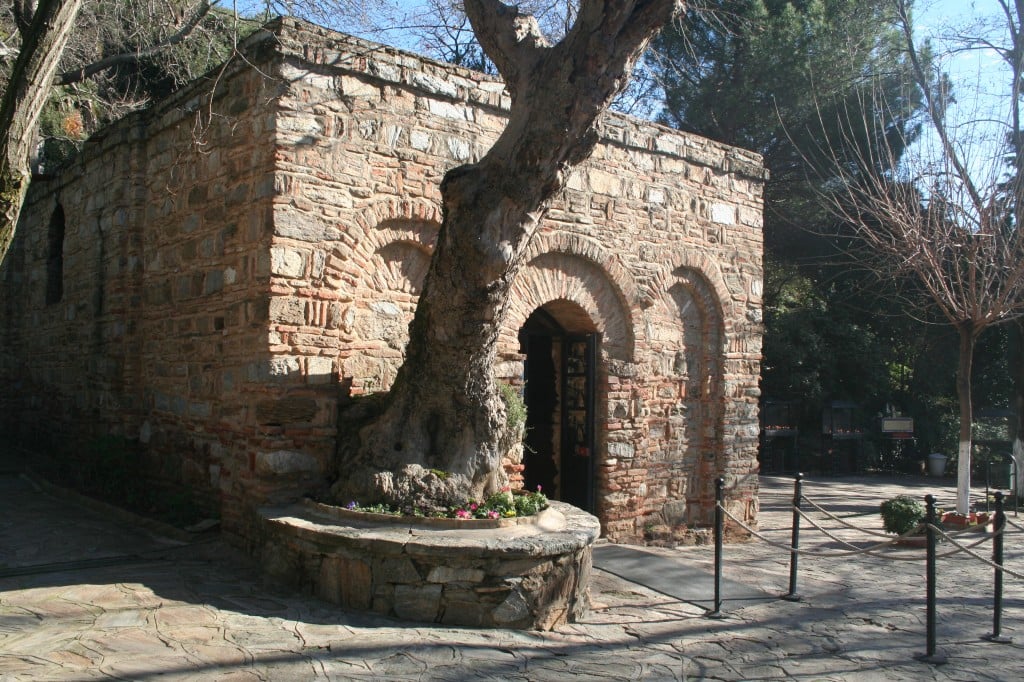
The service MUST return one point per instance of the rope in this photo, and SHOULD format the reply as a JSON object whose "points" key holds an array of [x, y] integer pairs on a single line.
{"points": [[915, 531], [840, 519], [871, 551], [968, 550], [1010, 522]]}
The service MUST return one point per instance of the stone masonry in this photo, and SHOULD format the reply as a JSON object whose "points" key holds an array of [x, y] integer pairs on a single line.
{"points": [[215, 276]]}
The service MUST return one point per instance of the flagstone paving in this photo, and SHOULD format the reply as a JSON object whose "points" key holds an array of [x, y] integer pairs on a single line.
{"points": [[173, 610]]}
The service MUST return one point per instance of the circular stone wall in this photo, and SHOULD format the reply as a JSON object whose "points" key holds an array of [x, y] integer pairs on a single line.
{"points": [[526, 576]]}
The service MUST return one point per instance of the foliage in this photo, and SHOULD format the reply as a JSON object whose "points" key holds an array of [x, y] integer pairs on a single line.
{"points": [[818, 349], [503, 504], [106, 29], [515, 408], [946, 220], [768, 75], [772, 76], [901, 514]]}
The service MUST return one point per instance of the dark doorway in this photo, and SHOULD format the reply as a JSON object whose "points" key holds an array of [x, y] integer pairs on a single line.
{"points": [[559, 373]]}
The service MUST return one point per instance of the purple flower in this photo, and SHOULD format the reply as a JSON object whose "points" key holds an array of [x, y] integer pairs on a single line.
{"points": [[351, 505]]}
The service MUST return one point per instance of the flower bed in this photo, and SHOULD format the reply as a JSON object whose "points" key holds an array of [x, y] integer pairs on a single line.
{"points": [[506, 504]]}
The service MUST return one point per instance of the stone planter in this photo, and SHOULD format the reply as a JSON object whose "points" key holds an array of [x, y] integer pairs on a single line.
{"points": [[532, 574], [920, 540]]}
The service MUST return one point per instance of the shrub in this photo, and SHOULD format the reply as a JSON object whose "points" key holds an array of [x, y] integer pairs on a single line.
{"points": [[901, 514]]}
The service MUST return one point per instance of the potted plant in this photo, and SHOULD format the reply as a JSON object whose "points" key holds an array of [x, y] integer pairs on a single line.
{"points": [[901, 514]]}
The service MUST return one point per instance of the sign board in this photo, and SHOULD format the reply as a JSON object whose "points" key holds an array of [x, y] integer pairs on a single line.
{"points": [[898, 425]]}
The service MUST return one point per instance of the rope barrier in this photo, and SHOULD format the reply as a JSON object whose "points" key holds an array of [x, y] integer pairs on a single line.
{"points": [[931, 529], [968, 550], [872, 550], [841, 521], [1014, 524]]}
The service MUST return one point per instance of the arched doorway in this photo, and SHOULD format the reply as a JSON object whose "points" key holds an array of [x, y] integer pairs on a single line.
{"points": [[560, 345]]}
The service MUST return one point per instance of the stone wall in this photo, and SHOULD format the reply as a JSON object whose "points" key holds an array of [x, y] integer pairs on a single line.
{"points": [[534, 575], [655, 243], [160, 334], [236, 265]]}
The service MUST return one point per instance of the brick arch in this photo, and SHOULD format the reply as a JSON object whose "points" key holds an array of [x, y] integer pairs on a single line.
{"points": [[414, 222], [561, 276], [384, 259], [399, 266], [699, 270], [692, 353], [589, 249]]}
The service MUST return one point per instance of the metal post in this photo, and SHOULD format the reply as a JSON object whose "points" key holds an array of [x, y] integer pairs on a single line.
{"points": [[930, 656], [719, 531], [997, 558], [1013, 481], [794, 554]]}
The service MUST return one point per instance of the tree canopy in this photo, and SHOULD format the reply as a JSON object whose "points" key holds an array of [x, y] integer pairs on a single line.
{"points": [[772, 76]]}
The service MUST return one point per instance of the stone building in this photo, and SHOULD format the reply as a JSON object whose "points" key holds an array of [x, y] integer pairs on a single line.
{"points": [[214, 276]]}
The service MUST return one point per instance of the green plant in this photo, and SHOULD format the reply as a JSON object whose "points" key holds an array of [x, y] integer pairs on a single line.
{"points": [[503, 504], [515, 408], [901, 514]]}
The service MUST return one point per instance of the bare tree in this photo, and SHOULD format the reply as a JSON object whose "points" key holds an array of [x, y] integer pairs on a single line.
{"points": [[116, 43], [444, 411], [947, 219], [44, 30], [52, 36]]}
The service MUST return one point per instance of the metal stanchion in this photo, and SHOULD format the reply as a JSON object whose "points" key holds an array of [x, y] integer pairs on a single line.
{"points": [[930, 656], [719, 530], [795, 540], [997, 559]]}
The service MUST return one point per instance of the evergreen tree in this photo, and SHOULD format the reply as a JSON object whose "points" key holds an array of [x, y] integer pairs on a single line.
{"points": [[783, 78]]}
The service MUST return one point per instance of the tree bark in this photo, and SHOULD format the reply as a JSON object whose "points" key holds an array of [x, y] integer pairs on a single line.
{"points": [[444, 411], [43, 41], [968, 336]]}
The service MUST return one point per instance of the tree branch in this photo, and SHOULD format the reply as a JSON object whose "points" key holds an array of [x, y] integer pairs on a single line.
{"points": [[936, 108], [511, 39], [89, 70], [23, 11]]}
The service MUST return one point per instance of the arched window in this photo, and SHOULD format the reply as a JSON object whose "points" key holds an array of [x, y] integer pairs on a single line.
{"points": [[55, 257]]}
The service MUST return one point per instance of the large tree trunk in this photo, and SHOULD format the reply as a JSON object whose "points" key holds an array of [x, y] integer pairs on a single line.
{"points": [[968, 336], [43, 39], [444, 411]]}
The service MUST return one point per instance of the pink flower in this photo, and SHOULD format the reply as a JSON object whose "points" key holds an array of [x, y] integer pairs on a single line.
{"points": [[493, 514], [462, 514], [473, 506], [538, 488]]}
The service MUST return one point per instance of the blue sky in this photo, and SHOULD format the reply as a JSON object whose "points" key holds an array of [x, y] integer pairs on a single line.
{"points": [[980, 79]]}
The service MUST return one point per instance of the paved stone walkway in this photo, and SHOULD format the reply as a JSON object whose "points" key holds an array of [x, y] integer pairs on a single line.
{"points": [[84, 598]]}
